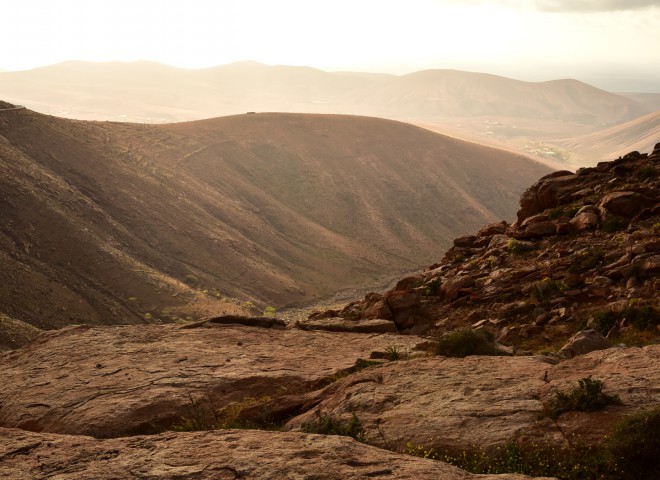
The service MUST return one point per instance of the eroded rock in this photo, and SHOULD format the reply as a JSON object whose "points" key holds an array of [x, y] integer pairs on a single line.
{"points": [[216, 455], [113, 381]]}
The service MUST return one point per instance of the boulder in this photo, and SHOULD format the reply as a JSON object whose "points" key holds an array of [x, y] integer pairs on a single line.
{"points": [[451, 288], [583, 342], [625, 204], [464, 242], [214, 455], [584, 221], [493, 229], [125, 380]]}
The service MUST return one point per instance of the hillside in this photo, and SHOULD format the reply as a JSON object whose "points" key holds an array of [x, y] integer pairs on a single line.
{"points": [[529, 351], [116, 222], [637, 134], [583, 252]]}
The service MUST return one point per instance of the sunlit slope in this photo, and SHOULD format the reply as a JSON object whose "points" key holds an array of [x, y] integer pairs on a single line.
{"points": [[640, 134], [101, 219]]}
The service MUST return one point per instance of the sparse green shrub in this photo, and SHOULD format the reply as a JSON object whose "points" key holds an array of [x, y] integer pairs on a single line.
{"points": [[648, 171], [433, 287], [191, 280], [559, 212], [603, 321], [148, 316], [629, 453], [516, 247], [614, 224], [588, 260], [548, 288], [639, 316], [464, 342], [328, 425], [576, 463], [587, 397], [132, 299], [392, 352], [269, 311], [634, 445]]}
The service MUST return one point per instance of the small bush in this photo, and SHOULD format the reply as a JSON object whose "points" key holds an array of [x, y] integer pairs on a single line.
{"points": [[649, 171], [588, 260], [548, 288], [614, 224], [517, 248], [191, 280], [641, 316], [587, 397], [269, 311], [634, 445], [464, 342], [328, 425], [603, 321], [392, 352]]}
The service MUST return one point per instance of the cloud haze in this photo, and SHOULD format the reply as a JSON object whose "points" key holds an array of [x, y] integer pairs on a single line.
{"points": [[593, 5]]}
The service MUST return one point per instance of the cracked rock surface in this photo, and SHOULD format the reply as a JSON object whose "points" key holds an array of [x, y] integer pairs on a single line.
{"points": [[450, 403], [116, 381], [217, 455]]}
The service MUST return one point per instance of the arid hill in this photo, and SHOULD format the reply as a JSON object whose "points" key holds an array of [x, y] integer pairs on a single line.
{"points": [[151, 92], [639, 134], [116, 222]]}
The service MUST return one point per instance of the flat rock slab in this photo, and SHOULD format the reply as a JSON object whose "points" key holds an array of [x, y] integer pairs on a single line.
{"points": [[125, 380], [338, 324], [485, 402], [217, 455]]}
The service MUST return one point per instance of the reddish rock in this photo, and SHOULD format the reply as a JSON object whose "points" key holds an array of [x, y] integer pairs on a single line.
{"points": [[464, 242], [115, 381], [486, 401], [537, 229], [215, 455], [584, 221], [584, 342], [452, 286], [375, 306], [493, 229], [625, 204], [339, 324], [399, 301]]}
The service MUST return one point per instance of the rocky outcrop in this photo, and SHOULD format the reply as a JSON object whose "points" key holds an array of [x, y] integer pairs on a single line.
{"points": [[585, 246], [218, 455], [115, 381], [485, 402]]}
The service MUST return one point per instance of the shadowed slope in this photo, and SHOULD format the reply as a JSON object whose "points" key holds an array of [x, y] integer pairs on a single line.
{"points": [[106, 221]]}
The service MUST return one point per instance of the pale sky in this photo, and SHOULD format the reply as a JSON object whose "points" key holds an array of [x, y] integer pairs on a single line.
{"points": [[613, 44]]}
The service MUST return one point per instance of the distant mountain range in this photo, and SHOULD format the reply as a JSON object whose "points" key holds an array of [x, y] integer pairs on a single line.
{"points": [[117, 222], [152, 92]]}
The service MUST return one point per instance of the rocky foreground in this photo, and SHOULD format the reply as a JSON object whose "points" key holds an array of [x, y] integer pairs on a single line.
{"points": [[235, 397]]}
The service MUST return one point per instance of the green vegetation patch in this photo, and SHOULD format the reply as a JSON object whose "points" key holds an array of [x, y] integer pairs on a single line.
{"points": [[588, 396], [630, 452], [548, 288], [329, 425]]}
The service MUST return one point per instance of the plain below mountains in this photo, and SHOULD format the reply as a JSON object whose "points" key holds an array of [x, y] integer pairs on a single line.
{"points": [[114, 222]]}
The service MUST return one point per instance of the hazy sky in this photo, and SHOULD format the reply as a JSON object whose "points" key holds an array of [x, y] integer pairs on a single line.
{"points": [[614, 44]]}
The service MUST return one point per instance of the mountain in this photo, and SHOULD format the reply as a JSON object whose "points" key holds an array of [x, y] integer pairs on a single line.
{"points": [[637, 134], [452, 93], [649, 100], [146, 91], [114, 222]]}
